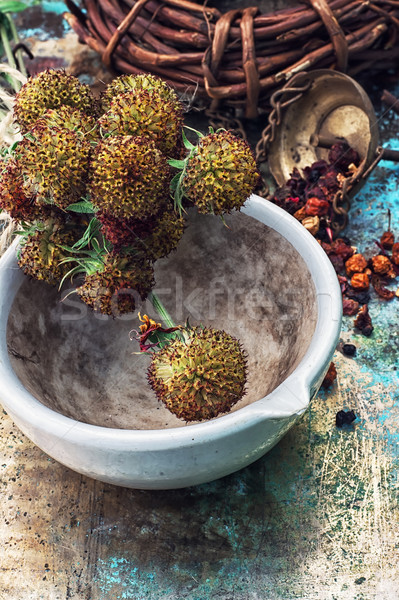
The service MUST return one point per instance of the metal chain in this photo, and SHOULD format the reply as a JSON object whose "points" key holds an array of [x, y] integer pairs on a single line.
{"points": [[219, 120], [278, 103]]}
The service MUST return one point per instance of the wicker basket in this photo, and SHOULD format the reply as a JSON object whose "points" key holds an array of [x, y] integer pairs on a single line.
{"points": [[240, 57]]}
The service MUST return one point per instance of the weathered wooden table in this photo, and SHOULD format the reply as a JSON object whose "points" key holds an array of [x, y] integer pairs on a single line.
{"points": [[315, 519]]}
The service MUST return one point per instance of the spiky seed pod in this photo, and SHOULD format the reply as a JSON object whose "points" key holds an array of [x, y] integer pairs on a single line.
{"points": [[129, 177], [67, 117], [119, 287], [51, 89], [200, 376], [54, 163], [155, 237], [221, 174], [13, 198], [143, 81], [164, 237], [145, 113], [42, 252]]}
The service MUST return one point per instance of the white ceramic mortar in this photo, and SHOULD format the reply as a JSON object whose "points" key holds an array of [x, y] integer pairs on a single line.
{"points": [[189, 454]]}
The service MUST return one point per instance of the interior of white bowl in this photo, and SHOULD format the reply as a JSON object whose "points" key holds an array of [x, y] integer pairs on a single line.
{"points": [[241, 276]]}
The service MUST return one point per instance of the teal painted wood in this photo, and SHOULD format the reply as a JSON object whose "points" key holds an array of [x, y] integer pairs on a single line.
{"points": [[315, 519]]}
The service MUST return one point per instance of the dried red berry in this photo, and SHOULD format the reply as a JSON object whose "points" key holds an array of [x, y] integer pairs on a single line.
{"points": [[395, 254], [363, 321], [387, 240], [350, 306], [330, 376], [341, 248], [314, 206]]}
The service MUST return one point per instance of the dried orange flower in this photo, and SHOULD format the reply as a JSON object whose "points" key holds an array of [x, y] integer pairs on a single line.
{"points": [[355, 264], [360, 281]]}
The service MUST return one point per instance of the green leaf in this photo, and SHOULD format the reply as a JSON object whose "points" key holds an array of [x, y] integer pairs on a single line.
{"points": [[174, 183], [7, 6], [178, 164], [199, 134], [83, 207], [186, 141]]}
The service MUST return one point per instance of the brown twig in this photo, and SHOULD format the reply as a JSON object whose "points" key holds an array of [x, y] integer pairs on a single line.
{"points": [[240, 57]]}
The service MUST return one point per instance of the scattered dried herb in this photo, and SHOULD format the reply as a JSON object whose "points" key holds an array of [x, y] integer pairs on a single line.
{"points": [[387, 240], [312, 193], [360, 281], [381, 290], [350, 307], [355, 264], [381, 265], [363, 321], [395, 254], [363, 297], [344, 417], [330, 376]]}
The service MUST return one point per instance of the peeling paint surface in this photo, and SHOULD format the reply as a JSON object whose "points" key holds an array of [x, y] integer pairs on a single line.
{"points": [[315, 519]]}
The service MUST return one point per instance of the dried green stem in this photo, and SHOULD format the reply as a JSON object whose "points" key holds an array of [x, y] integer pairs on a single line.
{"points": [[10, 57], [161, 310]]}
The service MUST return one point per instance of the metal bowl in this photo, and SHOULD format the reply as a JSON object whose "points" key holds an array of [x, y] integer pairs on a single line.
{"points": [[334, 106]]}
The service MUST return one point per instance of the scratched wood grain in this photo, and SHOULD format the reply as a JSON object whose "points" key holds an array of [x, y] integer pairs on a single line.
{"points": [[316, 518]]}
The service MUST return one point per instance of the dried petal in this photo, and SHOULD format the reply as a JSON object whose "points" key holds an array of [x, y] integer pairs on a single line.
{"points": [[343, 282], [342, 155], [300, 214], [360, 281], [337, 262], [338, 247], [315, 171], [349, 306], [363, 321], [381, 290], [355, 264], [361, 296], [387, 240], [330, 376], [285, 199], [314, 206]]}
